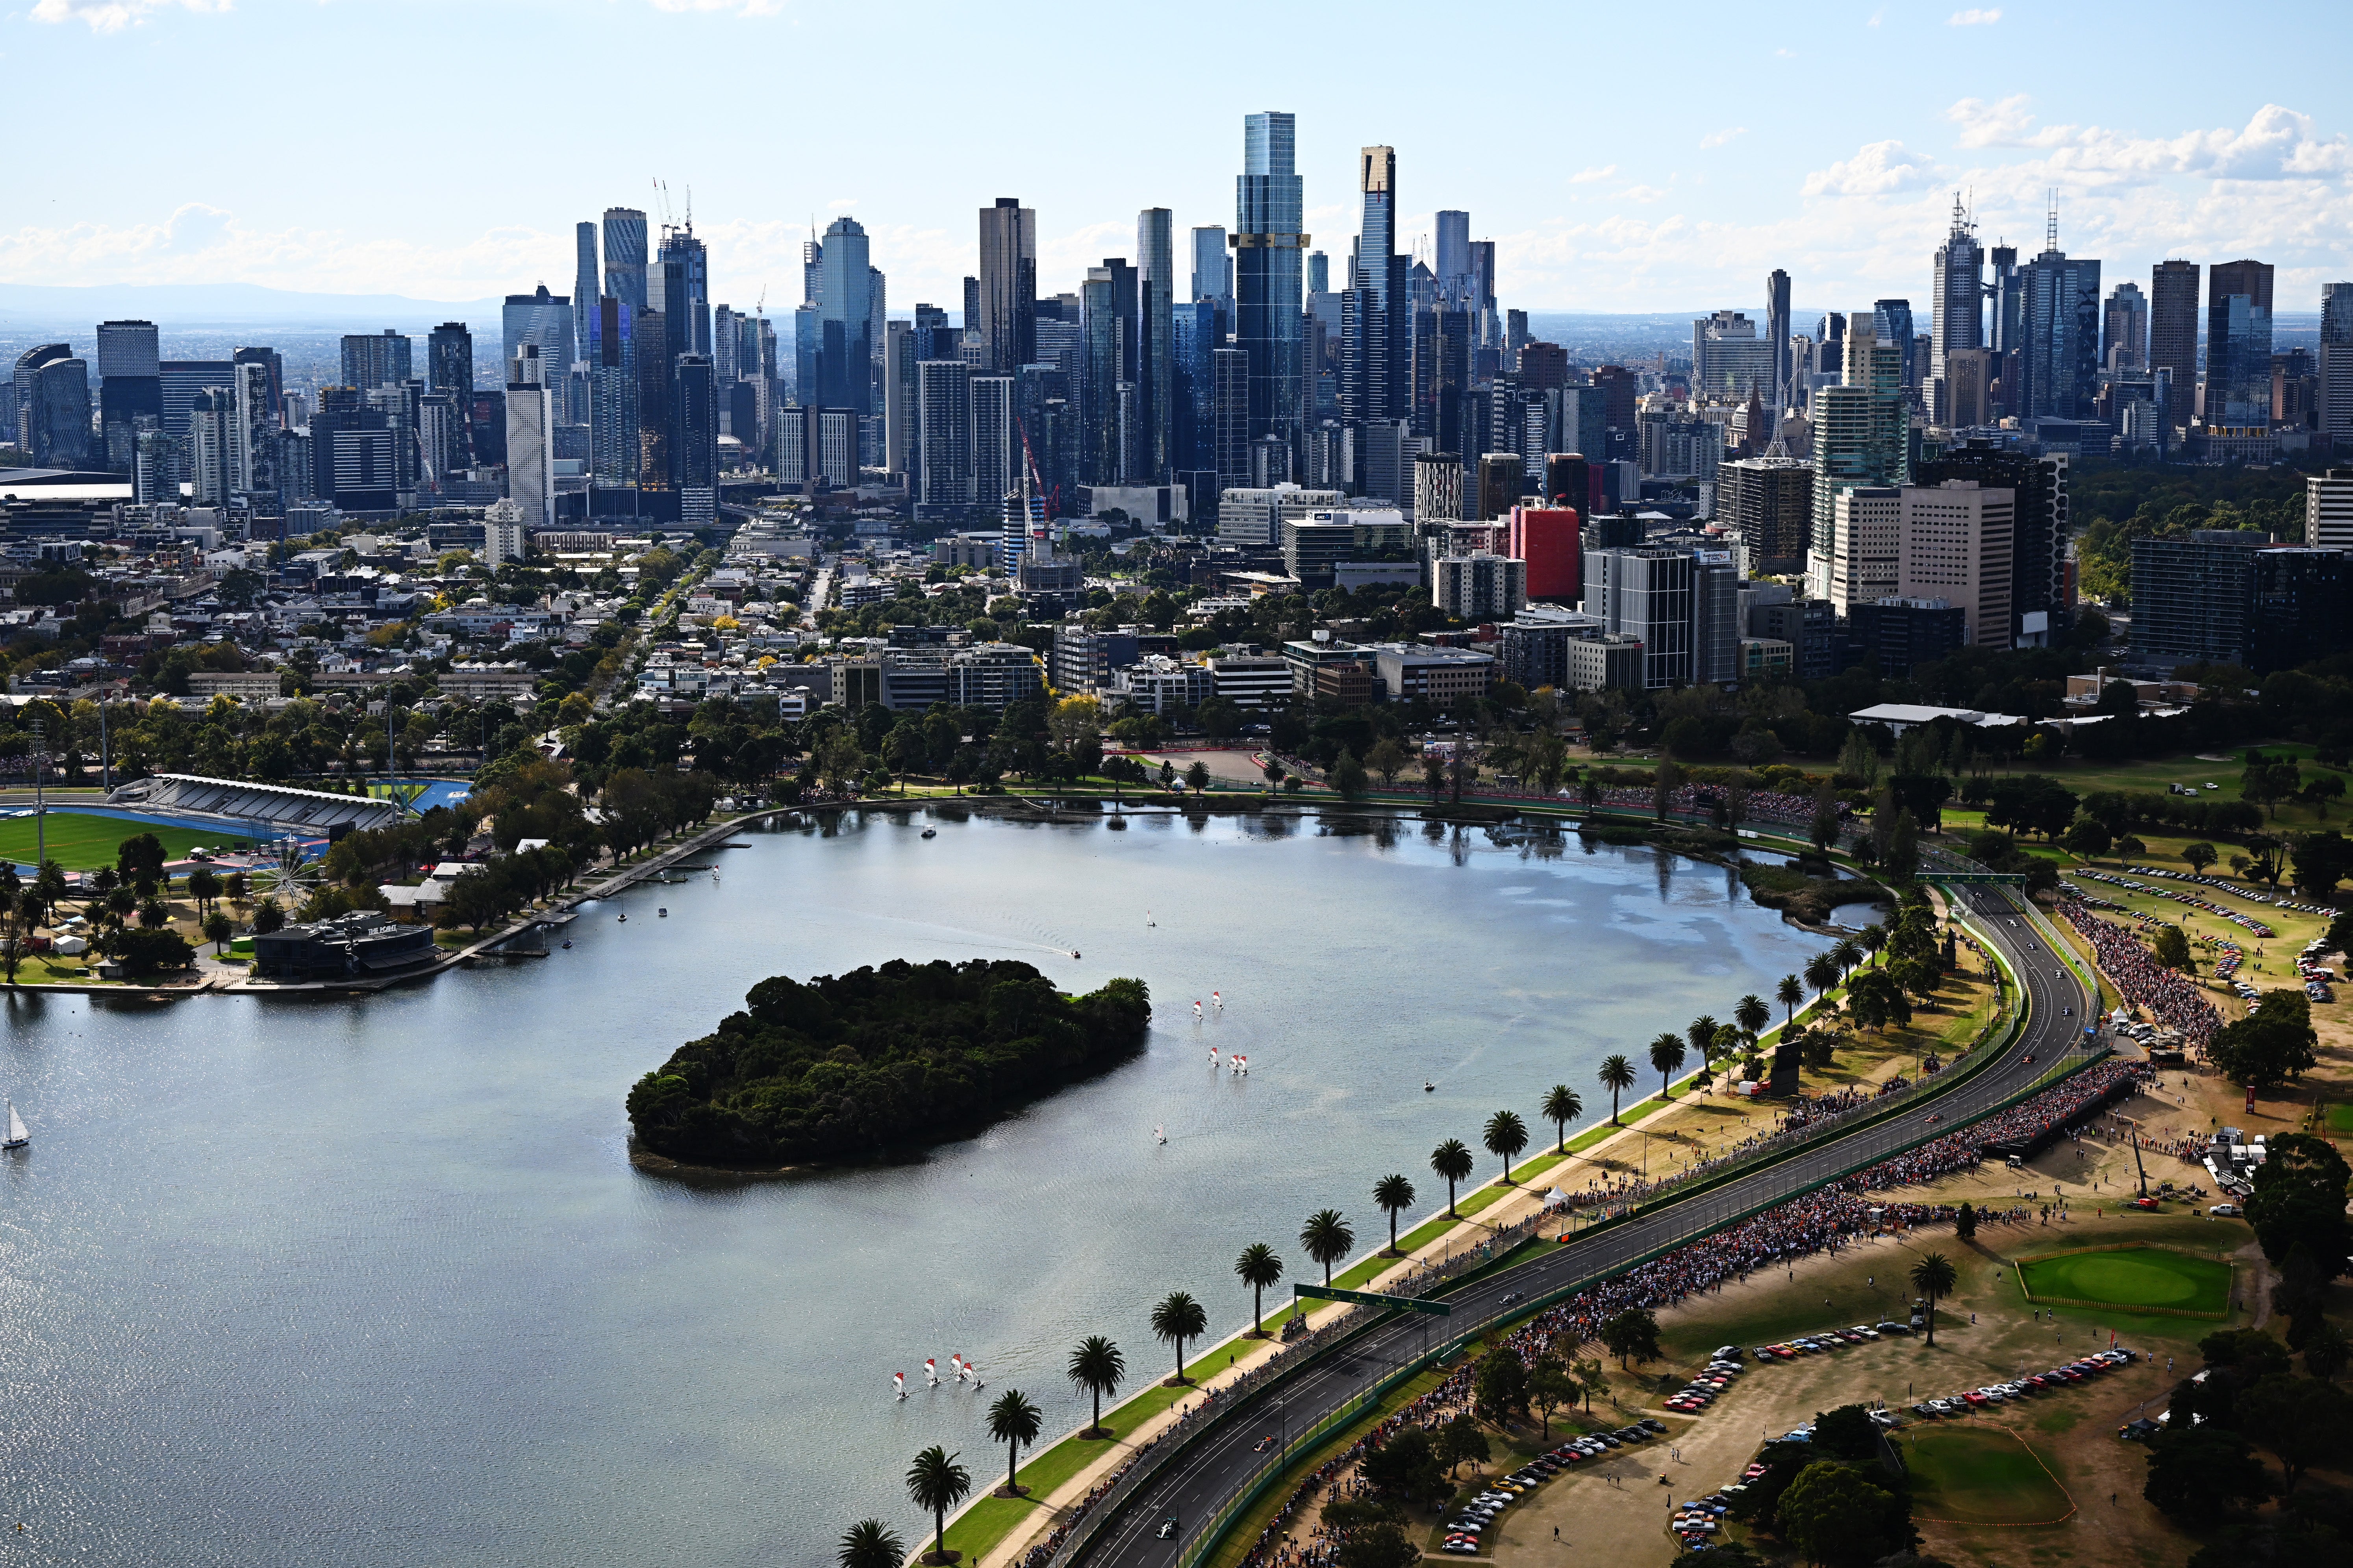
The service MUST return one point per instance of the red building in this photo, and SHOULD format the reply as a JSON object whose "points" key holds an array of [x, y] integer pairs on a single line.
{"points": [[1549, 539]]}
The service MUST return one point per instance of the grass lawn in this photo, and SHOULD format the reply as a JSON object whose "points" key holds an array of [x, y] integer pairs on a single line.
{"points": [[2138, 1277], [2341, 1119], [85, 840], [1980, 1475]]}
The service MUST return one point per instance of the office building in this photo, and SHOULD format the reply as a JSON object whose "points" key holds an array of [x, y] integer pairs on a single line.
{"points": [[943, 403], [2193, 598], [1862, 430], [531, 434], [53, 407], [1810, 628], [1956, 299], [1213, 269], [1729, 359], [1549, 540], [1376, 369], [2335, 364], [2039, 593], [846, 340], [1501, 481], [129, 390], [613, 395], [1777, 334], [449, 370], [545, 320], [1859, 562], [1156, 364], [1253, 516], [1230, 439], [1891, 320], [2328, 510], [1437, 487], [695, 433], [1768, 505], [371, 360], [1968, 389], [2055, 333], [1646, 594], [1480, 587], [1008, 286], [1270, 251], [586, 287], [1954, 545], [996, 471], [2124, 329], [2239, 346], [625, 256], [2173, 330], [2303, 609], [1901, 635]]}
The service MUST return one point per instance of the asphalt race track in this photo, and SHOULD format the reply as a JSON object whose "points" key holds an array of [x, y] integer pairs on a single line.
{"points": [[1195, 1483]]}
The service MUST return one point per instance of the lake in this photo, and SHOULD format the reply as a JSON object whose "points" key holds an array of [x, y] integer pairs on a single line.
{"points": [[372, 1282]]}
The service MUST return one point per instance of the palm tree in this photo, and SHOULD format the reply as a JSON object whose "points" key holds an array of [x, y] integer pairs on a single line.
{"points": [[1789, 993], [1874, 937], [1393, 1193], [1617, 1076], [1098, 1367], [1506, 1135], [1451, 1160], [1700, 1032], [1561, 1107], [1176, 1319], [937, 1482], [1752, 1014], [1935, 1276], [870, 1543], [1014, 1421], [1667, 1053], [1328, 1238], [1846, 954], [1821, 973], [1259, 1266]]}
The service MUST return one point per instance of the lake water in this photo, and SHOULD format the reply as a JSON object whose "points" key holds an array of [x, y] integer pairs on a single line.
{"points": [[372, 1282]]}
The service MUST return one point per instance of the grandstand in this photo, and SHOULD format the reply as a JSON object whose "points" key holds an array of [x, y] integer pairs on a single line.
{"points": [[253, 807]]}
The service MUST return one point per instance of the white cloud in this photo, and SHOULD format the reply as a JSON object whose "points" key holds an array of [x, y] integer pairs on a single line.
{"points": [[740, 8], [1878, 169], [1641, 194], [1719, 138], [1973, 17], [113, 16], [1587, 176]]}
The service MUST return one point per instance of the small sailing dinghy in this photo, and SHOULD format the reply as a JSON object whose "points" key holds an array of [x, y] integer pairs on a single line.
{"points": [[17, 1137]]}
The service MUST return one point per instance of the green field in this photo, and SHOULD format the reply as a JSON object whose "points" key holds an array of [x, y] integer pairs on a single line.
{"points": [[2134, 1276], [83, 841], [1980, 1475], [2341, 1119]]}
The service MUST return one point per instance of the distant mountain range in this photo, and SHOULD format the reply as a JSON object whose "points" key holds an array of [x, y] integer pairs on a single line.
{"points": [[183, 306]]}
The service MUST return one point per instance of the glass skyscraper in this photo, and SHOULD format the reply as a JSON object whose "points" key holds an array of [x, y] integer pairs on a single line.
{"points": [[625, 256], [844, 324], [1268, 279]]}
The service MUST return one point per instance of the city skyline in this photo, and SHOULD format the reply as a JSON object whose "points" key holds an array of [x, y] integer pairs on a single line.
{"points": [[1654, 210]]}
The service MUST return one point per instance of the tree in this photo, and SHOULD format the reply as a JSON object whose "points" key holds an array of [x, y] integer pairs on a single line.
{"points": [[1836, 1516], [1751, 1014], [2198, 857], [1328, 1238], [139, 858], [2203, 1471], [1259, 1266], [1346, 775], [2270, 1046], [1964, 1224], [1617, 1076], [1393, 1193], [204, 886], [1789, 993], [1846, 1433], [1873, 938], [1561, 1105], [936, 1481], [218, 929], [1451, 1160], [1549, 1387], [1506, 1135], [2172, 947], [1014, 1421], [2087, 838], [1632, 1334], [2325, 1352], [1404, 1466], [2299, 1199], [1501, 1384], [2302, 1421], [1097, 1367], [1197, 778], [1821, 973], [1381, 1545], [14, 925], [1934, 1276], [1667, 1055], [1462, 1440], [1177, 1317], [1387, 758], [870, 1543], [2322, 859]]}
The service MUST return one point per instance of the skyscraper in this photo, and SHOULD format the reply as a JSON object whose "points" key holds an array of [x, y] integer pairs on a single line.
{"points": [[2173, 330], [613, 394], [694, 428], [1453, 267], [53, 407], [625, 256], [1269, 280], [1729, 357], [586, 288], [2336, 363], [2056, 333], [1776, 331], [1155, 368], [2123, 329], [1892, 320], [373, 359], [2239, 344], [845, 347], [450, 367], [943, 404], [685, 301], [546, 320], [530, 434], [1102, 334], [1956, 294], [1376, 363], [1213, 270], [1007, 286], [130, 388]]}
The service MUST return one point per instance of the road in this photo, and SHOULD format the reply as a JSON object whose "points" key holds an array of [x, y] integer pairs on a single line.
{"points": [[1194, 1484]]}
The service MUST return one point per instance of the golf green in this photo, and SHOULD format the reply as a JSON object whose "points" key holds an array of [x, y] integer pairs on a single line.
{"points": [[2134, 1276], [85, 840], [1980, 1475]]}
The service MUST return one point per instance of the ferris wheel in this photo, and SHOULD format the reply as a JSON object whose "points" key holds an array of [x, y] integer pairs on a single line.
{"points": [[287, 873]]}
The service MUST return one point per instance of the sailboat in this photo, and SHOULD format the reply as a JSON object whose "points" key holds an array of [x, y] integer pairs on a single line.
{"points": [[17, 1137]]}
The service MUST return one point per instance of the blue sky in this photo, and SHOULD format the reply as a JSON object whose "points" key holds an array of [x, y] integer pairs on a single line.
{"points": [[1623, 158]]}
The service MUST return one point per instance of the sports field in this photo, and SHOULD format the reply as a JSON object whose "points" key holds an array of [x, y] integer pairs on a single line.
{"points": [[2132, 1276], [1971, 1474], [85, 840]]}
